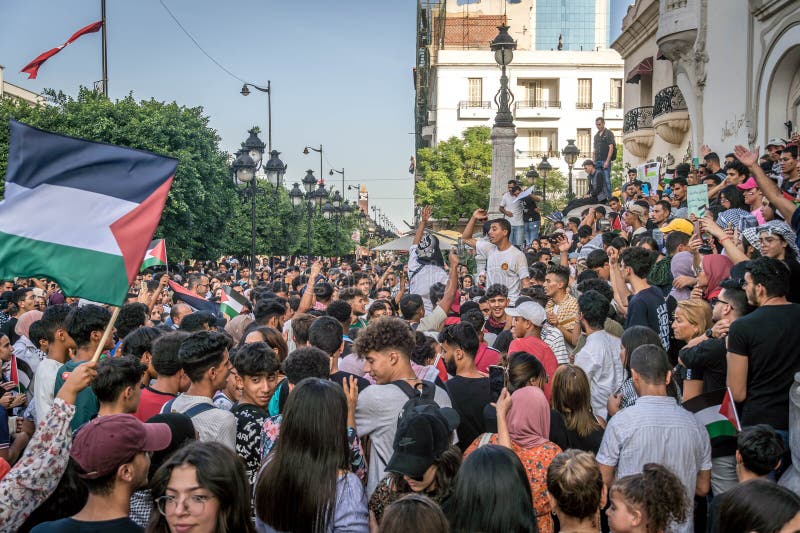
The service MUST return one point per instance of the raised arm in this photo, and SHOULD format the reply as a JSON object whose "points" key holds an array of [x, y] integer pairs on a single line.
{"points": [[307, 301], [621, 291], [424, 217], [466, 235], [451, 288], [770, 189]]}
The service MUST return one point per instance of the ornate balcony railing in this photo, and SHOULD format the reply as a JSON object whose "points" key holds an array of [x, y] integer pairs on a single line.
{"points": [[639, 118], [667, 100], [537, 154]]}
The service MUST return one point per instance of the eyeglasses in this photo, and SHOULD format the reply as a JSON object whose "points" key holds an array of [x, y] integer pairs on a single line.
{"points": [[195, 504], [715, 301]]}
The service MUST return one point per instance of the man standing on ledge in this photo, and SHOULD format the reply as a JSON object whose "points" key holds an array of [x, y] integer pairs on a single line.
{"points": [[604, 148], [505, 263]]}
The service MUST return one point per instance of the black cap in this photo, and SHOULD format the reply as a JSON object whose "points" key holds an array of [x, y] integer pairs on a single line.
{"points": [[422, 436]]}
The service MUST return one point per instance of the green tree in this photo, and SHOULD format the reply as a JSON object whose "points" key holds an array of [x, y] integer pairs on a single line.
{"points": [[618, 170], [456, 175], [203, 196]]}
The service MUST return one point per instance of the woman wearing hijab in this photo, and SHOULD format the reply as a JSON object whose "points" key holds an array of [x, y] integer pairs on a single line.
{"points": [[24, 348], [682, 264], [715, 269], [523, 424]]}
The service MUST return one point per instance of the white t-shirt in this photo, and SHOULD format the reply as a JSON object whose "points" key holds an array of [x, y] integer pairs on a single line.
{"points": [[421, 277], [515, 207], [45, 380], [507, 267]]}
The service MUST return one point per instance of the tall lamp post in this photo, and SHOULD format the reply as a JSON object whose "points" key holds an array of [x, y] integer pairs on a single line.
{"points": [[337, 210], [503, 131], [319, 151], [268, 89], [343, 209], [570, 153], [313, 197], [245, 166], [544, 167]]}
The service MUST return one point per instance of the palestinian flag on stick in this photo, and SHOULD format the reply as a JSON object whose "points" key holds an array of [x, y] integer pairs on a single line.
{"points": [[232, 303], [156, 255], [96, 208], [182, 294], [716, 411]]}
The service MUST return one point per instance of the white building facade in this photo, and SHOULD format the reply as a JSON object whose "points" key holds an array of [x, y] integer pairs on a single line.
{"points": [[558, 93], [715, 72]]}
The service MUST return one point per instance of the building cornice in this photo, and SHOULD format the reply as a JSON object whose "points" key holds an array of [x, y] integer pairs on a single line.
{"points": [[638, 31], [764, 9]]}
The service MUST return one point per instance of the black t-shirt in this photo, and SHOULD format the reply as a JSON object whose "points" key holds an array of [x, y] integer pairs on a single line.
{"points": [[70, 525], [337, 378], [649, 308], [529, 212], [503, 341], [770, 339], [250, 421], [794, 286], [602, 142], [707, 361], [469, 396]]}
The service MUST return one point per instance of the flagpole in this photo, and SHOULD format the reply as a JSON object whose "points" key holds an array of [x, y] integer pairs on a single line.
{"points": [[105, 56], [106, 334]]}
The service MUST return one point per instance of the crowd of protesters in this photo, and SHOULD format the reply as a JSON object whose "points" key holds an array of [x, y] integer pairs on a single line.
{"points": [[534, 387]]}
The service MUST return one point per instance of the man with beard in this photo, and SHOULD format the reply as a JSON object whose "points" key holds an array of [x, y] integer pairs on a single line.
{"points": [[468, 388]]}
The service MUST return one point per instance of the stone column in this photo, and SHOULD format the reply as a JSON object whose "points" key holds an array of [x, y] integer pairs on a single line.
{"points": [[502, 165]]}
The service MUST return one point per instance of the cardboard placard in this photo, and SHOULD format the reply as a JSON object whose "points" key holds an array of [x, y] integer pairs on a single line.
{"points": [[697, 200]]}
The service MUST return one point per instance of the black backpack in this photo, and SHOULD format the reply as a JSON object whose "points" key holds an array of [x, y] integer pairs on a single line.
{"points": [[419, 396]]}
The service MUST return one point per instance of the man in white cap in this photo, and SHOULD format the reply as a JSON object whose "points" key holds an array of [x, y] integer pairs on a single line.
{"points": [[528, 318], [774, 148]]}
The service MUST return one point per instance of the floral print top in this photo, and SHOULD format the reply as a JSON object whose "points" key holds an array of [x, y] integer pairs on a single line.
{"points": [[37, 473], [536, 461], [272, 428]]}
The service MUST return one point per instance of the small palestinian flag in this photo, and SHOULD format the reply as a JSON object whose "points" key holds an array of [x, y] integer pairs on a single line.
{"points": [[717, 412], [156, 255], [232, 302]]}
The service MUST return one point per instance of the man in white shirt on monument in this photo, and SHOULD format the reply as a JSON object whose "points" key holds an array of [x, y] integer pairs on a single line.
{"points": [[513, 211], [505, 263]]}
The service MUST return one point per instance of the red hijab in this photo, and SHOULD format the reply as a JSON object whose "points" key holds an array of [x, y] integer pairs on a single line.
{"points": [[717, 268]]}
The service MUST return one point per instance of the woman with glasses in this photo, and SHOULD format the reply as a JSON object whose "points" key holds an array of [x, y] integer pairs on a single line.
{"points": [[305, 483], [692, 320], [202, 488]]}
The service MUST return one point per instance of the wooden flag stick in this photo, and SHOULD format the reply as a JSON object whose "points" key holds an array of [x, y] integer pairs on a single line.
{"points": [[106, 334]]}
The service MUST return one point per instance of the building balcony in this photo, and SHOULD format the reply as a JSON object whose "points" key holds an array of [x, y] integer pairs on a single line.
{"points": [[613, 111], [637, 130], [537, 109], [525, 158], [584, 105], [670, 115], [677, 26], [469, 110]]}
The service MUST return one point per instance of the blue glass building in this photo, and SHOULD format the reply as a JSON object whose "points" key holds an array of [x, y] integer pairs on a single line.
{"points": [[574, 21]]}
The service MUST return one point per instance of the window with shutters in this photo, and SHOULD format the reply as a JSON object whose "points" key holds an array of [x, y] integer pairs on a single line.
{"points": [[616, 93], [584, 143], [475, 91], [584, 93]]}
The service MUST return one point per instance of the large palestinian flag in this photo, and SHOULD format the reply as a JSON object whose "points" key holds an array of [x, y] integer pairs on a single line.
{"points": [[80, 212], [156, 255]]}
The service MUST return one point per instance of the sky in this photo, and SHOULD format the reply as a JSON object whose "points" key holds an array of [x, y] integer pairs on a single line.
{"points": [[341, 74]]}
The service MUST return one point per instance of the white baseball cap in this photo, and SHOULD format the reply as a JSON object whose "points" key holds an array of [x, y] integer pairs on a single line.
{"points": [[530, 311]]}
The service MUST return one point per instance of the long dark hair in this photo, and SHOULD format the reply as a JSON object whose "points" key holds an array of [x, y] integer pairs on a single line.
{"points": [[218, 470], [296, 491], [734, 196], [492, 494], [758, 505]]}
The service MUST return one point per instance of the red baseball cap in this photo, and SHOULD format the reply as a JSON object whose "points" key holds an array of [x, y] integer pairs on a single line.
{"points": [[107, 442]]}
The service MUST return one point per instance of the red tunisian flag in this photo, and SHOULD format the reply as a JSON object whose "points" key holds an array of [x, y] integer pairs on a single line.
{"points": [[32, 68]]}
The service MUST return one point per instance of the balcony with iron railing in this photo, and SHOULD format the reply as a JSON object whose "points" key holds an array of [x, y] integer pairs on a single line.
{"points": [[637, 130], [584, 105], [537, 109], [474, 109], [538, 154], [671, 115]]}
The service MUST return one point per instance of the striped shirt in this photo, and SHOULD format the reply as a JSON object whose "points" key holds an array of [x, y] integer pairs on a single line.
{"points": [[657, 430]]}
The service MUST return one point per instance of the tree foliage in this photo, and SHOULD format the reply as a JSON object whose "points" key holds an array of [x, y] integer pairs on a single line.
{"points": [[456, 175]]}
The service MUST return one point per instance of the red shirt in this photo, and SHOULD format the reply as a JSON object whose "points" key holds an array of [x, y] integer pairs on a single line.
{"points": [[486, 357], [537, 347], [150, 403]]}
